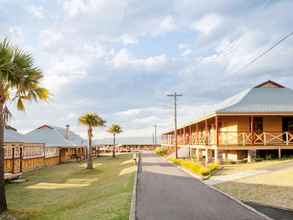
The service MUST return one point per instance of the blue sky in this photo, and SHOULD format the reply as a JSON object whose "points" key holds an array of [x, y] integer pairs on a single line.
{"points": [[121, 58]]}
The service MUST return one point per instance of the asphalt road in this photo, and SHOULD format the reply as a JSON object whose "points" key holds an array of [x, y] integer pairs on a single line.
{"points": [[166, 192]]}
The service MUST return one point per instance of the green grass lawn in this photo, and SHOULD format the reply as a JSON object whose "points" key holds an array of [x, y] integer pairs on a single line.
{"points": [[274, 188], [69, 191], [228, 169]]}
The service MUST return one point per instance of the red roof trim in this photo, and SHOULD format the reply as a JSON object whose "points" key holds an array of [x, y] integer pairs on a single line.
{"points": [[270, 82]]}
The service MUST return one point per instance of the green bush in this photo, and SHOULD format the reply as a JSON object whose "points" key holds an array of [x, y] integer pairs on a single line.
{"points": [[161, 151], [195, 167]]}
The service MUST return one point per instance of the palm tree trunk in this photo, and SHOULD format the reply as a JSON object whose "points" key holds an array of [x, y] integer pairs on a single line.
{"points": [[3, 204], [98, 153], [113, 145], [89, 154]]}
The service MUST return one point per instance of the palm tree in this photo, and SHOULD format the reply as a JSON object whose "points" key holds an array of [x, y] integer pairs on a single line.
{"points": [[19, 82], [91, 120], [114, 129]]}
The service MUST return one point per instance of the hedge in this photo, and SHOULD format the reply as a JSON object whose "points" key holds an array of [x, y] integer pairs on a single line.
{"points": [[161, 151], [195, 167]]}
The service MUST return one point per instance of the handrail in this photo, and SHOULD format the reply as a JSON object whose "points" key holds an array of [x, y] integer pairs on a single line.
{"points": [[235, 138]]}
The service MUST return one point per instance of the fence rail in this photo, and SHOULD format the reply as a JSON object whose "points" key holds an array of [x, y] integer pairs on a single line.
{"points": [[234, 138]]}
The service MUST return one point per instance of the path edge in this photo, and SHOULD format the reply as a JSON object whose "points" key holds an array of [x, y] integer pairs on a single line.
{"points": [[132, 213], [220, 191]]}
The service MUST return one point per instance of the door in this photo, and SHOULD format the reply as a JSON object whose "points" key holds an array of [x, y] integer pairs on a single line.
{"points": [[258, 125], [287, 124]]}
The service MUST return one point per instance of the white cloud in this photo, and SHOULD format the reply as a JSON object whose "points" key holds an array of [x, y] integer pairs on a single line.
{"points": [[37, 11], [128, 39], [124, 59], [167, 24], [50, 37], [16, 35], [75, 7], [207, 24], [63, 71]]}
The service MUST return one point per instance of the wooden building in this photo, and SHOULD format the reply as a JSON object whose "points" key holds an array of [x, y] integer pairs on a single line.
{"points": [[256, 121], [22, 155], [60, 143]]}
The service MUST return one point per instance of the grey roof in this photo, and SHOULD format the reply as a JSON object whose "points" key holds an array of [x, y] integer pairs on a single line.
{"points": [[73, 137], [11, 135], [52, 137], [259, 100]]}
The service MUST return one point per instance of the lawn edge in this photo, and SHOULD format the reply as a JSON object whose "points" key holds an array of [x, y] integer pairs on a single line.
{"points": [[132, 213], [220, 191]]}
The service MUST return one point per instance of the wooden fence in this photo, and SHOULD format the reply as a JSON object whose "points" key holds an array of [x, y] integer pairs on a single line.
{"points": [[21, 157]]}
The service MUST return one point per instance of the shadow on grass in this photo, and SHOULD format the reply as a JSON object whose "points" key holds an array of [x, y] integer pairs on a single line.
{"points": [[65, 187]]}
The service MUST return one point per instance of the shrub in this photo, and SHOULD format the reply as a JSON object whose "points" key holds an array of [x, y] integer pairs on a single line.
{"points": [[161, 151], [195, 167]]}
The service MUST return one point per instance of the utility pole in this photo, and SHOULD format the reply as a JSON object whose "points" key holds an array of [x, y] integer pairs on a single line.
{"points": [[175, 95], [155, 136]]}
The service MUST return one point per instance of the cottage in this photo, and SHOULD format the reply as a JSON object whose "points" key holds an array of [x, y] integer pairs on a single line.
{"points": [[21, 154], [60, 142], [257, 121]]}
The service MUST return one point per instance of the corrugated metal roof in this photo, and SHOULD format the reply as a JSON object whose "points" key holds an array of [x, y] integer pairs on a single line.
{"points": [[260, 100], [73, 137], [268, 97], [11, 135], [51, 136]]}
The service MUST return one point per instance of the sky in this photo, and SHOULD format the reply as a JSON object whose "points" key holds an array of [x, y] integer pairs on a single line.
{"points": [[121, 58]]}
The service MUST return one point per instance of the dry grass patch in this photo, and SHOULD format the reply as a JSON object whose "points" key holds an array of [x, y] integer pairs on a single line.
{"points": [[275, 188], [228, 169]]}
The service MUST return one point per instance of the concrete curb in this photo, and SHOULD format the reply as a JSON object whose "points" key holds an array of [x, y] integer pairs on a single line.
{"points": [[223, 193], [132, 213]]}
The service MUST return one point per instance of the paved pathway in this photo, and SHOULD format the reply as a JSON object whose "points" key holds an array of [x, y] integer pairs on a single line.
{"points": [[166, 192]]}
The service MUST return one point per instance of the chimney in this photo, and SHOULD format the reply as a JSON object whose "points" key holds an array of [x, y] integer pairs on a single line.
{"points": [[67, 132]]}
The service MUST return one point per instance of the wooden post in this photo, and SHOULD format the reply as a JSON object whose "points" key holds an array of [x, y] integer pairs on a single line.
{"points": [[206, 133], [207, 157], [60, 160], [197, 154], [248, 156], [184, 136], [190, 135], [279, 153], [216, 155], [287, 138], [13, 160], [252, 129], [196, 134], [20, 160], [264, 138], [217, 130]]}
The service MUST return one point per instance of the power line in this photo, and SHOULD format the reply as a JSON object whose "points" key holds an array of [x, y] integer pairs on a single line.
{"points": [[265, 52], [155, 134], [175, 95]]}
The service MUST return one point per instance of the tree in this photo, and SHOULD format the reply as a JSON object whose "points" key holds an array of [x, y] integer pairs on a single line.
{"points": [[92, 120], [19, 82], [114, 129]]}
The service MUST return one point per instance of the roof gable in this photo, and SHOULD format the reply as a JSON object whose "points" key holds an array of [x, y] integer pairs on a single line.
{"points": [[269, 84], [50, 136]]}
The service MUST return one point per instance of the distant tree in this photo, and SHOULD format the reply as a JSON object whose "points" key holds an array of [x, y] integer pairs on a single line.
{"points": [[114, 129], [19, 82], [91, 120]]}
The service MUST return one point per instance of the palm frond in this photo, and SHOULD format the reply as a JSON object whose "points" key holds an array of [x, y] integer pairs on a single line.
{"points": [[92, 120], [115, 129], [20, 104]]}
